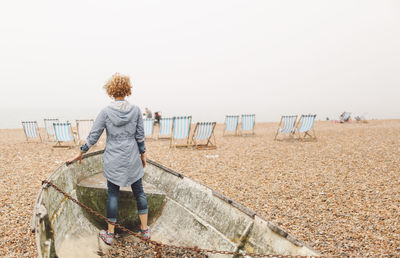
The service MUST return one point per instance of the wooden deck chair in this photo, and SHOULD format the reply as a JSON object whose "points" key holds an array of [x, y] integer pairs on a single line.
{"points": [[345, 117], [305, 126], [48, 124], [286, 125], [83, 128], [203, 135], [165, 128], [31, 130], [247, 123], [63, 133], [180, 131], [148, 127], [231, 124]]}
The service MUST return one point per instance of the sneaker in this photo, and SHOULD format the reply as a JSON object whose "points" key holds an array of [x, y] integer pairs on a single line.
{"points": [[108, 238], [145, 233]]}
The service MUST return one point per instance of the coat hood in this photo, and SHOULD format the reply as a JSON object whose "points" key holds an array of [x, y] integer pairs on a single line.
{"points": [[120, 112]]}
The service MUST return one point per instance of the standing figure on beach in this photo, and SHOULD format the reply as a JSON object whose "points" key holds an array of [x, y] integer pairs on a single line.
{"points": [[124, 156], [157, 117], [148, 113]]}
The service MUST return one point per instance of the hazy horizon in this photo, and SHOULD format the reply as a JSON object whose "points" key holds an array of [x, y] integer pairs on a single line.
{"points": [[206, 59]]}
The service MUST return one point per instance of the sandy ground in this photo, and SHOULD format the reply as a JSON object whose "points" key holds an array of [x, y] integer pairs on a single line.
{"points": [[339, 195]]}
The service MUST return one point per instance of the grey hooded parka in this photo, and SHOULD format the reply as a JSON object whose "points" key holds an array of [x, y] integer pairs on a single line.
{"points": [[123, 122]]}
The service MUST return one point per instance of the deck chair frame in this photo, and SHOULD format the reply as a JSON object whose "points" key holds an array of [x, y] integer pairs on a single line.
{"points": [[31, 128], [48, 124], [307, 133], [78, 122], [210, 140], [243, 132], [173, 141], [283, 124], [58, 137], [162, 121], [236, 131], [148, 136]]}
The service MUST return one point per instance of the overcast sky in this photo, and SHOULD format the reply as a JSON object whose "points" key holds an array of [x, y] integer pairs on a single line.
{"points": [[203, 58]]}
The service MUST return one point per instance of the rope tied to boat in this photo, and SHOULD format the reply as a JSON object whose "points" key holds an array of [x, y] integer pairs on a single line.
{"points": [[157, 245]]}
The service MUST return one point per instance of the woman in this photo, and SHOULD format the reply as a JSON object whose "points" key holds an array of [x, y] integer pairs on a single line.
{"points": [[124, 156]]}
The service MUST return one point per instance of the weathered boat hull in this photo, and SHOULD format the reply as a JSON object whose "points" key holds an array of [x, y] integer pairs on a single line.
{"points": [[182, 212]]}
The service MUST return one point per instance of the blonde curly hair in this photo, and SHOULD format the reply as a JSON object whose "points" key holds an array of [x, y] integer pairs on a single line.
{"points": [[118, 86]]}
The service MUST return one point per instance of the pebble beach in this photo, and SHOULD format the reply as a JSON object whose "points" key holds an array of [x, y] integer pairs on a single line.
{"points": [[340, 195]]}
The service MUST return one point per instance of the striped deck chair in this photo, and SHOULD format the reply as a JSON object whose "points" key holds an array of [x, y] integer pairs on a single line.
{"points": [[83, 127], [31, 130], [180, 131], [306, 125], [48, 124], [63, 133], [231, 124], [204, 132], [148, 127], [345, 117], [248, 122], [165, 128], [286, 125]]}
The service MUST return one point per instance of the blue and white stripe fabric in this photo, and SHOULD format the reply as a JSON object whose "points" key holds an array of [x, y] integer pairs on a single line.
{"points": [[204, 130], [307, 123], [148, 126], [31, 129], [248, 122], [166, 126], [48, 124], [181, 127], [63, 132], [231, 123], [288, 124], [84, 127]]}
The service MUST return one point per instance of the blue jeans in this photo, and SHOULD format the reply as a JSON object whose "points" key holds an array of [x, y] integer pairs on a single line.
{"points": [[113, 194]]}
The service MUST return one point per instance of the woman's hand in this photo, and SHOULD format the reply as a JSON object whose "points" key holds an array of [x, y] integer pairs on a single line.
{"points": [[77, 157], [143, 158]]}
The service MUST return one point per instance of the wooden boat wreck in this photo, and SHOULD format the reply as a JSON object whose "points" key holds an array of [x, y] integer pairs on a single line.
{"points": [[182, 212]]}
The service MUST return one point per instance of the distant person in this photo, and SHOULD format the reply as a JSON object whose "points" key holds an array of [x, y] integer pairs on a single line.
{"points": [[157, 117], [148, 113], [124, 156]]}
